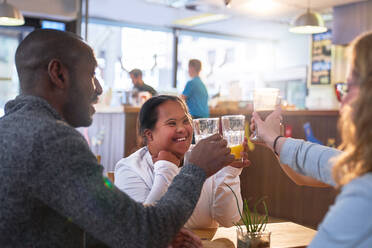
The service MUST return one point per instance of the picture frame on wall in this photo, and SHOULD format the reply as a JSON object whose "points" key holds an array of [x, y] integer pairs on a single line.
{"points": [[321, 58]]}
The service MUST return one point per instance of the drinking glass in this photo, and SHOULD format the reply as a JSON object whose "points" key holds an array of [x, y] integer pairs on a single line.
{"points": [[233, 133], [264, 102], [253, 239], [205, 127]]}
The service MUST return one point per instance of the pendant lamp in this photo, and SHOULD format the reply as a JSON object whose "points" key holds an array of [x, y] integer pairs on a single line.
{"points": [[308, 23], [10, 16]]}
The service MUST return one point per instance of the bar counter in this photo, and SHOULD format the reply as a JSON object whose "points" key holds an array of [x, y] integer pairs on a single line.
{"points": [[323, 123]]}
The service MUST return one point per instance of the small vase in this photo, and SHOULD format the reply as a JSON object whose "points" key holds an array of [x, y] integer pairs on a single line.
{"points": [[253, 240]]}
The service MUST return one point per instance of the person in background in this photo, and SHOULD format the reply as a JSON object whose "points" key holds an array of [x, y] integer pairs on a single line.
{"points": [[52, 188], [166, 129], [136, 76], [348, 222], [195, 93]]}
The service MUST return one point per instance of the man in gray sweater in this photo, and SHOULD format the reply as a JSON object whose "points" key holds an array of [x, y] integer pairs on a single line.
{"points": [[52, 188]]}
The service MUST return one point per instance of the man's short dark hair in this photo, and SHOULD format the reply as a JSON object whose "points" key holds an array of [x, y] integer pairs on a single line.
{"points": [[136, 73], [41, 46]]}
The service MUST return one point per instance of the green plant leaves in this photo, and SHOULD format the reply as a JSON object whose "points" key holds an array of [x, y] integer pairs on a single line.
{"points": [[251, 219]]}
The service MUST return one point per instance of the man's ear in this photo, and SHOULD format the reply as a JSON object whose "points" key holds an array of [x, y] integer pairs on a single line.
{"points": [[148, 135], [58, 74]]}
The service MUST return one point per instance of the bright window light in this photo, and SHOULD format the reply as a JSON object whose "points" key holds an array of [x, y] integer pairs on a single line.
{"points": [[261, 6]]}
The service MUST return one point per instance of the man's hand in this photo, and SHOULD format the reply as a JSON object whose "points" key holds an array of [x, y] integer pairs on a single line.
{"points": [[211, 154], [186, 238], [168, 156], [269, 129], [243, 162]]}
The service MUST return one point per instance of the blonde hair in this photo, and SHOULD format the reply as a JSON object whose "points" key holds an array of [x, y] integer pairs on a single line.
{"points": [[356, 119], [196, 64]]}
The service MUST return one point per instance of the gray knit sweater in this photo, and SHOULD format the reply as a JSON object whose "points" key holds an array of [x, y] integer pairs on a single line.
{"points": [[51, 188]]}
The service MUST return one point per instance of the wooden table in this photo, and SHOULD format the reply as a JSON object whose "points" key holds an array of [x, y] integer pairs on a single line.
{"points": [[283, 235]]}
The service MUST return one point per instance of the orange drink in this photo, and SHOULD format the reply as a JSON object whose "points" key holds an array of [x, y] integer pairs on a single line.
{"points": [[233, 133], [236, 150]]}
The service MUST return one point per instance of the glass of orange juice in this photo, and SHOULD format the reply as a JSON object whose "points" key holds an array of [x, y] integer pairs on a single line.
{"points": [[233, 133]]}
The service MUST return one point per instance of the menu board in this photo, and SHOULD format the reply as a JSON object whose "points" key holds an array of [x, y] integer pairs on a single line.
{"points": [[321, 58]]}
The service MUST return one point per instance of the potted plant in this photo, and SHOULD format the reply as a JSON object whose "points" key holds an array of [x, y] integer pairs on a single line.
{"points": [[252, 233]]}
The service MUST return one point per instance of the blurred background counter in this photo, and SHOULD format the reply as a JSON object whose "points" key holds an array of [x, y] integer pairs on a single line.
{"points": [[112, 132]]}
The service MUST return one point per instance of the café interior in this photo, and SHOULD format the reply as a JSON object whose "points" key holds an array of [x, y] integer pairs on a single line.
{"points": [[244, 45]]}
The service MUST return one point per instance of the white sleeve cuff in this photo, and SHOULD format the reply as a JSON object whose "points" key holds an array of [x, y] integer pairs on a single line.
{"points": [[166, 170]]}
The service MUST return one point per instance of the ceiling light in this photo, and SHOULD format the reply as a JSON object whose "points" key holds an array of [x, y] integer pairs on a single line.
{"points": [[200, 19], [308, 23], [10, 16]]}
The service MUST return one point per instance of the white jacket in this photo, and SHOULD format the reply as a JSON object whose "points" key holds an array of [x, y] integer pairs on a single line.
{"points": [[146, 182]]}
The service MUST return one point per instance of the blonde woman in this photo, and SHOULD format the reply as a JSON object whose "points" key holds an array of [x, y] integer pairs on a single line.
{"points": [[348, 223]]}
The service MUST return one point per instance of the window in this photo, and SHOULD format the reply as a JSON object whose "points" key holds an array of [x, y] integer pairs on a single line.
{"points": [[230, 67], [8, 75], [120, 49], [150, 51]]}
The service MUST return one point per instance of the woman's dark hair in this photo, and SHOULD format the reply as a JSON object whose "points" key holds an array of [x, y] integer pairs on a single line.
{"points": [[148, 115]]}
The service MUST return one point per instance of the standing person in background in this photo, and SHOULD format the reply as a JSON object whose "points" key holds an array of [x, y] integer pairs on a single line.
{"points": [[195, 93], [136, 76]]}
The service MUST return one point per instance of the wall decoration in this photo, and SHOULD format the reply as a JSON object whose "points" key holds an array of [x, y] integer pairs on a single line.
{"points": [[321, 58]]}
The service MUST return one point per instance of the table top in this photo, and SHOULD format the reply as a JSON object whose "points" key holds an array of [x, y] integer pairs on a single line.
{"points": [[283, 235]]}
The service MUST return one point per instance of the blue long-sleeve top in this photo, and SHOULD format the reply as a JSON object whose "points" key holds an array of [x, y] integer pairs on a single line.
{"points": [[348, 223]]}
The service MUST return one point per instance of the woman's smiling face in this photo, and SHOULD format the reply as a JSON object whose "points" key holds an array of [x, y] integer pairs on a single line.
{"points": [[172, 131]]}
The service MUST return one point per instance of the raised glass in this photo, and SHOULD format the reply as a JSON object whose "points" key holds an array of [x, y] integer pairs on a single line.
{"points": [[233, 132], [205, 127], [264, 102]]}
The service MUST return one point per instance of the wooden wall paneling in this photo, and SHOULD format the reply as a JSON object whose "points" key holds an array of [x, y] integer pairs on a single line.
{"points": [[130, 137], [285, 199], [323, 127]]}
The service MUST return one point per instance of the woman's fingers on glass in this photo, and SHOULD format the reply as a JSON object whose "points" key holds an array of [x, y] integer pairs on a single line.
{"points": [[252, 125], [245, 145], [256, 116], [277, 113], [256, 120], [241, 163], [244, 155]]}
